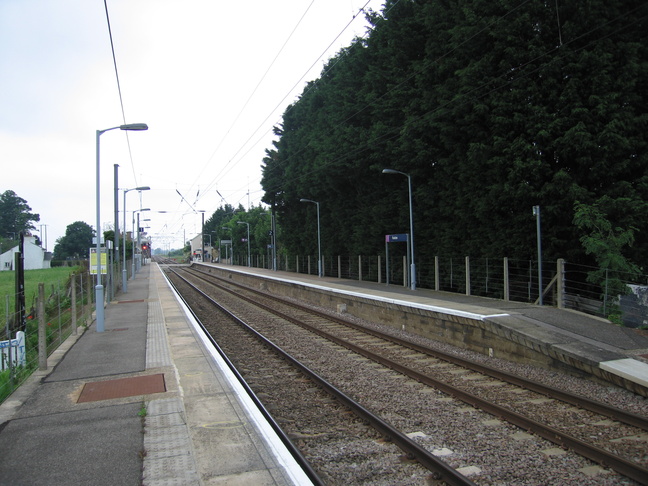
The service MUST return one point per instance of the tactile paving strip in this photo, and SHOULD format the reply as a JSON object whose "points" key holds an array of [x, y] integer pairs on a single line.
{"points": [[122, 387]]}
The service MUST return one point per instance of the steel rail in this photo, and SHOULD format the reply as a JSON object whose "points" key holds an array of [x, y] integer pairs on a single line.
{"points": [[600, 408], [444, 472], [601, 456], [292, 448]]}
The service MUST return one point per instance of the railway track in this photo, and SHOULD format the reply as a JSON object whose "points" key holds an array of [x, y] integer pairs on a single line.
{"points": [[606, 435], [309, 395]]}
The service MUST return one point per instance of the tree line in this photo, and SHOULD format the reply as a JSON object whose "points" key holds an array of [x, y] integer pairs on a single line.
{"points": [[16, 216], [492, 107]]}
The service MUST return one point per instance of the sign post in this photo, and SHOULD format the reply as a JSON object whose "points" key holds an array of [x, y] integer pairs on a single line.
{"points": [[93, 261], [227, 248], [398, 238]]}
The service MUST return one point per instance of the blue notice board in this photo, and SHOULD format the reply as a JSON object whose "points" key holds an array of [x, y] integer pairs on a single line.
{"points": [[396, 238]]}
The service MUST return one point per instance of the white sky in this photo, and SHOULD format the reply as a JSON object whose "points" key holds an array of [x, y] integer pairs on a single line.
{"points": [[187, 68]]}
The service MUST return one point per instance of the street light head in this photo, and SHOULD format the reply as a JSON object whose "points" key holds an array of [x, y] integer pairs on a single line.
{"points": [[308, 200], [143, 188], [134, 127], [241, 222], [390, 171]]}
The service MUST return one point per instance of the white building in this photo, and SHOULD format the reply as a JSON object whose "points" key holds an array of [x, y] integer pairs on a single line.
{"points": [[35, 257], [196, 249]]}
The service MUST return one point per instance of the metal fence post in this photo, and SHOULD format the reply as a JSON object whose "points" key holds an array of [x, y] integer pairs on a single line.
{"points": [[42, 334], [74, 306], [8, 332], [507, 294], [560, 283], [467, 275], [605, 295]]}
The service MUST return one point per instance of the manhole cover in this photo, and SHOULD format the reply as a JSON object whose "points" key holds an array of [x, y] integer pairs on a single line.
{"points": [[122, 387]]}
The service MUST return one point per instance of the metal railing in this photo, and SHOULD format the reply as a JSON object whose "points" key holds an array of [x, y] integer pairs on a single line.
{"points": [[50, 318], [564, 285]]}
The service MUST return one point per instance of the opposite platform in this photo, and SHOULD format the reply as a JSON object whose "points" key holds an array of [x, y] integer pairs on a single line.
{"points": [[585, 343]]}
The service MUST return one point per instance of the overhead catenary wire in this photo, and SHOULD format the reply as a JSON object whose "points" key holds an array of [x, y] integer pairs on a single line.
{"points": [[228, 166], [119, 90], [475, 93], [478, 91], [210, 187], [265, 74]]}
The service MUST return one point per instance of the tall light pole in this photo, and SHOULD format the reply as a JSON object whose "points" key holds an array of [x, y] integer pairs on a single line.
{"points": [[319, 240], [202, 237], [411, 215], [99, 291], [116, 235], [124, 271], [273, 230], [248, 240], [138, 211], [536, 213]]}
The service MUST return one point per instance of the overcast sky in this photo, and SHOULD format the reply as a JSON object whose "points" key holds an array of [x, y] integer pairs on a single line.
{"points": [[210, 78]]}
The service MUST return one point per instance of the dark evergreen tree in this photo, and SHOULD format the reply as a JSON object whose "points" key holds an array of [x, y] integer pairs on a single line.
{"points": [[15, 215], [492, 107]]}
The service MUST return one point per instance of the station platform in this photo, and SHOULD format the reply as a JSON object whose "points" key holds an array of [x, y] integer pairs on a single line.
{"points": [[147, 401], [585, 343]]}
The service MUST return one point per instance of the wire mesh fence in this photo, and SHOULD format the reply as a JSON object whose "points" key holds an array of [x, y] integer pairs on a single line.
{"points": [[66, 305], [621, 297]]}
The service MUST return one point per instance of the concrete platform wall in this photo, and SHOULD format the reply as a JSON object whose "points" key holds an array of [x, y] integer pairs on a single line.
{"points": [[476, 335]]}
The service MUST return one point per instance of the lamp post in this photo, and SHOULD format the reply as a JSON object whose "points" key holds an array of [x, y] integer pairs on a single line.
{"points": [[319, 241], [248, 240], [99, 291], [202, 237], [124, 271], [536, 213], [273, 230], [411, 215], [138, 211], [139, 239]]}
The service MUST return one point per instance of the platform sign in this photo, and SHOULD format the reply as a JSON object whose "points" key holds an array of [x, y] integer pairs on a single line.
{"points": [[12, 352], [396, 238], [93, 261]]}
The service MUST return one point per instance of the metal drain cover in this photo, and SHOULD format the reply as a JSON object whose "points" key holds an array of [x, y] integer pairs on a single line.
{"points": [[122, 387]]}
